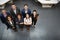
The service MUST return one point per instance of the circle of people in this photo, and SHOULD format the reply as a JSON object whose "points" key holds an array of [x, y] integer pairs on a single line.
{"points": [[21, 18]]}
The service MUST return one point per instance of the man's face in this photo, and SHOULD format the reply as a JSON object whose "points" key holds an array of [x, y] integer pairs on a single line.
{"points": [[25, 7], [13, 7], [3, 11]]}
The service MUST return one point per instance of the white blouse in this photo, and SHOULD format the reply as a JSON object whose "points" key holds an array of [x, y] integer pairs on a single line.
{"points": [[28, 21]]}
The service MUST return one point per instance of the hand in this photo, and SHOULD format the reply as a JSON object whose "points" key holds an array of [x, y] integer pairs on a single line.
{"points": [[16, 22], [13, 27], [21, 23]]}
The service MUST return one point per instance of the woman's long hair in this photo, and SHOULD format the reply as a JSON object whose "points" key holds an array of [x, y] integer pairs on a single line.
{"points": [[10, 17], [19, 14], [27, 14]]}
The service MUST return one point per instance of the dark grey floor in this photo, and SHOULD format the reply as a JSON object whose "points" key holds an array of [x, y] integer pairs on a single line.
{"points": [[47, 27]]}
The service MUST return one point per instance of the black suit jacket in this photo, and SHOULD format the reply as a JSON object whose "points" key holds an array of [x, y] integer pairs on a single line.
{"points": [[13, 24], [13, 14]]}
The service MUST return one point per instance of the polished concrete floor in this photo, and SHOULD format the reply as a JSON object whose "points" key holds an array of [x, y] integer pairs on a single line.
{"points": [[47, 27]]}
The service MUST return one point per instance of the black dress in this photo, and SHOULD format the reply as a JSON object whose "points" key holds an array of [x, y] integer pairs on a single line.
{"points": [[34, 19]]}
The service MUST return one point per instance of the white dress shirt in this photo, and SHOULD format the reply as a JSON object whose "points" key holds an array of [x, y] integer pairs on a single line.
{"points": [[26, 11], [15, 11]]}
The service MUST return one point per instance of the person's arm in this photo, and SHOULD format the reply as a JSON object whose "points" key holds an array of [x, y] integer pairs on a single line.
{"points": [[37, 16], [21, 23], [11, 13], [30, 21], [14, 24], [23, 13], [1, 18], [18, 10], [25, 21], [17, 22], [29, 11]]}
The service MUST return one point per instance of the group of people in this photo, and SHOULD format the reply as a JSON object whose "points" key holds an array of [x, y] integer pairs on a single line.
{"points": [[22, 18]]}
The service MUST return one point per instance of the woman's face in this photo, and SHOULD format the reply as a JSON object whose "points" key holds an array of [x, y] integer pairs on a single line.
{"points": [[19, 17], [27, 15], [34, 12], [9, 18]]}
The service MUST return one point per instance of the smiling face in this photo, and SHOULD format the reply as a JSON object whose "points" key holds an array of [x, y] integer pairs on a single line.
{"points": [[19, 17], [13, 7], [9, 18], [4, 11], [34, 13], [27, 15], [25, 7]]}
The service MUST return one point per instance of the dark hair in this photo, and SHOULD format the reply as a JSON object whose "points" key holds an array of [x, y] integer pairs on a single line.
{"points": [[19, 14], [25, 4], [34, 11], [12, 4], [3, 9], [28, 14], [10, 17]]}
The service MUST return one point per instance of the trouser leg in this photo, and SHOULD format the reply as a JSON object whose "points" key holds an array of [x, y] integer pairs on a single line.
{"points": [[28, 27], [21, 27], [35, 22]]}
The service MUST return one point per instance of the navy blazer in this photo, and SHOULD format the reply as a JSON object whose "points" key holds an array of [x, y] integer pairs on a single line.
{"points": [[23, 12], [3, 19]]}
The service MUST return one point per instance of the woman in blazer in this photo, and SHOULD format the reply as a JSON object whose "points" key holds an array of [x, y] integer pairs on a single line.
{"points": [[19, 21], [11, 23]]}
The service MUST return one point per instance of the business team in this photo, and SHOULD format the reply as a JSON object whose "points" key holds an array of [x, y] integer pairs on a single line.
{"points": [[19, 17]]}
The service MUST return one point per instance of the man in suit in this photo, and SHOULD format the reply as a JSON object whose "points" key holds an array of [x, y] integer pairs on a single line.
{"points": [[26, 10], [14, 10], [3, 16]]}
